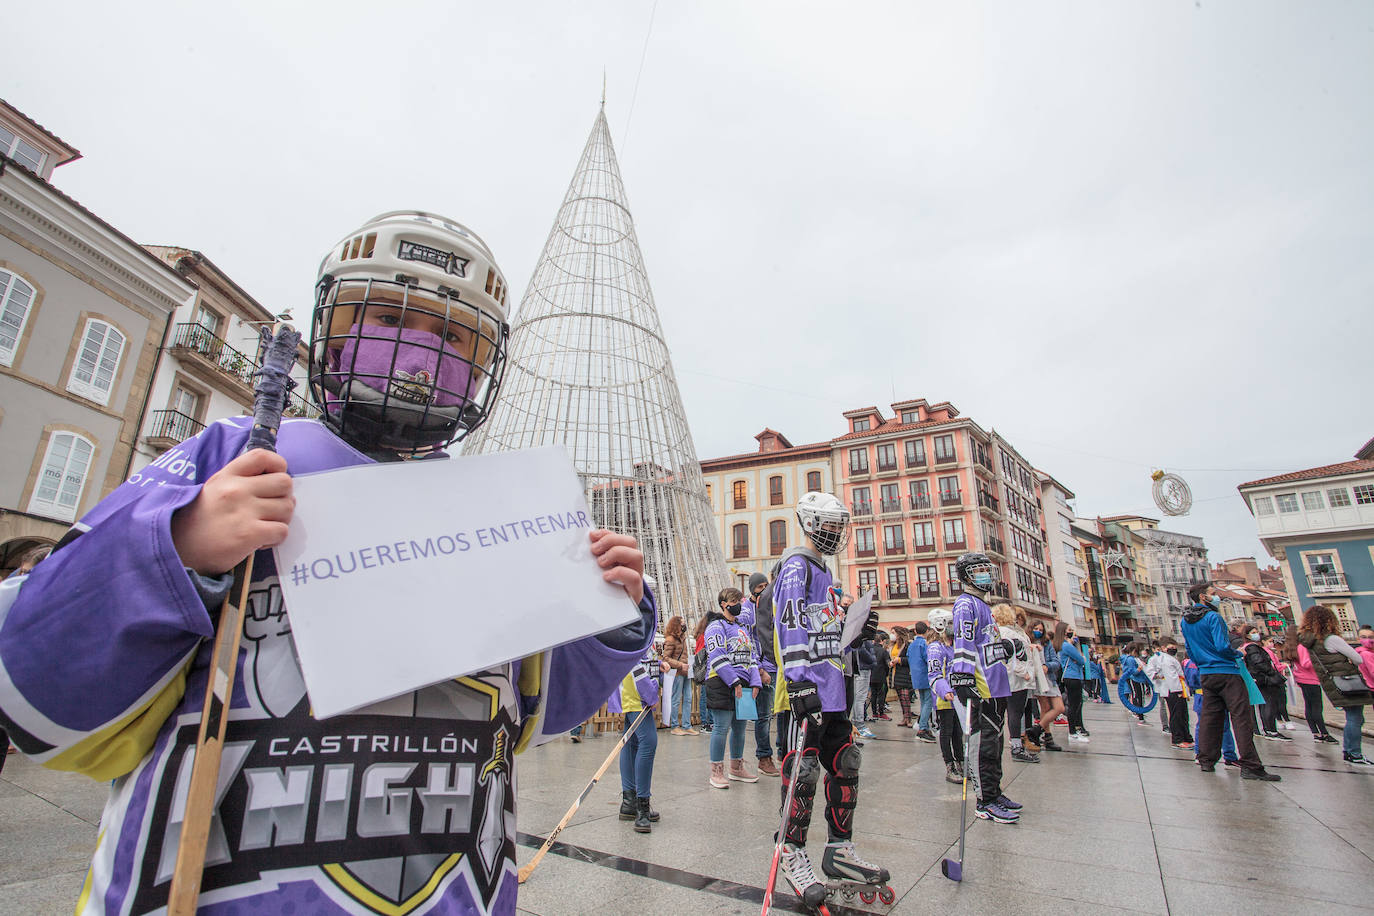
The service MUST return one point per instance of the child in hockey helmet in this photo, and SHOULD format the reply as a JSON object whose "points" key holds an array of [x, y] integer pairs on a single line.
{"points": [[825, 521], [976, 571], [408, 342]]}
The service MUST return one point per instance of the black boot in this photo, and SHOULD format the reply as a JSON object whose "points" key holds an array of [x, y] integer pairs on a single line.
{"points": [[643, 817], [627, 805]]}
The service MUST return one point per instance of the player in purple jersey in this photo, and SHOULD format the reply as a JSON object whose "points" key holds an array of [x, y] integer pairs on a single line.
{"points": [[809, 627], [978, 675], [407, 805]]}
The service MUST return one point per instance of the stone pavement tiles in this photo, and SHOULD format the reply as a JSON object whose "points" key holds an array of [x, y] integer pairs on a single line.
{"points": [[1124, 823]]}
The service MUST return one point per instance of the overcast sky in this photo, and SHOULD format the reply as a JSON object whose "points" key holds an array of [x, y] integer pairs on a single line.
{"points": [[1126, 235]]}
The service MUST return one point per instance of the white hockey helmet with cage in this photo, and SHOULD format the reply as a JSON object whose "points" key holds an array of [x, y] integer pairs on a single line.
{"points": [[940, 620], [408, 340], [825, 520]]}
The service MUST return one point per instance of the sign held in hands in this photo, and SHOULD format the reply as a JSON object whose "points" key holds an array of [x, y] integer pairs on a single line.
{"points": [[397, 576]]}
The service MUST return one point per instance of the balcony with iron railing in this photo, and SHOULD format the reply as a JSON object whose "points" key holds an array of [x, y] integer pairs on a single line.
{"points": [[995, 545], [928, 547], [952, 458], [861, 509], [897, 549], [929, 589], [866, 550], [212, 360], [887, 467], [897, 592], [989, 502], [890, 505], [171, 427], [1327, 583], [920, 504], [960, 545], [856, 470], [913, 461], [951, 498]]}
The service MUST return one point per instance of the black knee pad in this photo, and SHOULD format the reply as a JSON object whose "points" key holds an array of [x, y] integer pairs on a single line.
{"points": [[847, 761]]}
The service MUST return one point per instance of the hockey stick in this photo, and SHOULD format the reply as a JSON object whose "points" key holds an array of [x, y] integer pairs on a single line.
{"points": [[786, 808], [952, 870], [525, 872], [269, 402]]}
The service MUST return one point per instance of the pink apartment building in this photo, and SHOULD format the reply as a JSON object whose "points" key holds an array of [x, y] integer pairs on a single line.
{"points": [[923, 487]]}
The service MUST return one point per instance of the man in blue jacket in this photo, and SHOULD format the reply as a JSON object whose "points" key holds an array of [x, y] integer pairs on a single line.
{"points": [[918, 658], [1223, 690]]}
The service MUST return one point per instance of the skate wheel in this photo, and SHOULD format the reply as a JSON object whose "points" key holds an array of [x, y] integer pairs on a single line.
{"points": [[886, 896], [847, 894], [868, 896]]}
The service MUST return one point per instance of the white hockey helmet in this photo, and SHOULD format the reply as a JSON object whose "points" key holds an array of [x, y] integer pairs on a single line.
{"points": [[940, 620], [408, 340], [825, 520]]}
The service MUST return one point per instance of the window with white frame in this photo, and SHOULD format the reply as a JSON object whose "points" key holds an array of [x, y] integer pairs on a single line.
{"points": [[185, 401], [97, 361], [1312, 500], [1288, 502], [1264, 505], [21, 150], [65, 465], [1364, 494], [16, 299], [1338, 497]]}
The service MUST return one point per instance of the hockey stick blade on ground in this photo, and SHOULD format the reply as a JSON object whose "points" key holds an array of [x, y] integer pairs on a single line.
{"points": [[269, 403], [948, 867], [525, 872]]}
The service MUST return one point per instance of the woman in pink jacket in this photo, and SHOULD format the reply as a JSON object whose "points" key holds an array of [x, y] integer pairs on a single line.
{"points": [[1309, 684]]}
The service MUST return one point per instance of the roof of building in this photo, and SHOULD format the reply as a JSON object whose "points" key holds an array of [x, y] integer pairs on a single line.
{"points": [[1044, 476], [71, 152], [1358, 466], [9, 165], [1366, 451], [757, 457], [175, 254]]}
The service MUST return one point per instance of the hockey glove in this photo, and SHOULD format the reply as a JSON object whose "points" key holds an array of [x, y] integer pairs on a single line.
{"points": [[964, 686], [805, 701], [999, 650]]}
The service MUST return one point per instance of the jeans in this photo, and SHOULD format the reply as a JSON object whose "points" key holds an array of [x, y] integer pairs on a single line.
{"points": [[927, 707], [679, 711], [703, 713], [763, 746], [637, 755], [856, 712], [1354, 722], [1312, 707], [722, 721]]}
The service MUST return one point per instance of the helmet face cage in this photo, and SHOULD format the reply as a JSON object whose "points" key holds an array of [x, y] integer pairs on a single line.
{"points": [[825, 520], [400, 368], [940, 620], [971, 563]]}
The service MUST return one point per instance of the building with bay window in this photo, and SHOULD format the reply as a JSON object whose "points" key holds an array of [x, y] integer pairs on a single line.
{"points": [[1319, 524]]}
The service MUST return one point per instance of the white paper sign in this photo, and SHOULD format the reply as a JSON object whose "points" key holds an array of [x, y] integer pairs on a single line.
{"points": [[397, 576], [856, 617]]}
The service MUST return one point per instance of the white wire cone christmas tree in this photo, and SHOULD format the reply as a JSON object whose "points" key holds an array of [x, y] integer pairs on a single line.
{"points": [[589, 369]]}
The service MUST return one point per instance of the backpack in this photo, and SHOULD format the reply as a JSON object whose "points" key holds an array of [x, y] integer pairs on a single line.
{"points": [[699, 663]]}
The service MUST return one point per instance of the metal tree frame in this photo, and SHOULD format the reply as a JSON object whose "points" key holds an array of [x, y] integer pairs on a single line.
{"points": [[589, 369]]}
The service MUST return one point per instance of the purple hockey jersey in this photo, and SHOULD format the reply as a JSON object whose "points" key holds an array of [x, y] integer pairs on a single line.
{"points": [[641, 688], [974, 631], [730, 653], [405, 806], [809, 626]]}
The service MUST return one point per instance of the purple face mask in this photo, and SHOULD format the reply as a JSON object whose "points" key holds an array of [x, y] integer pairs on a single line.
{"points": [[420, 375]]}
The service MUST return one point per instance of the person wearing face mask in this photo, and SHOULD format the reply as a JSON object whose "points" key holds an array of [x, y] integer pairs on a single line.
{"points": [[1279, 697], [1224, 691], [1267, 679], [1338, 667], [1075, 669], [756, 616], [1045, 689], [734, 669], [1167, 674]]}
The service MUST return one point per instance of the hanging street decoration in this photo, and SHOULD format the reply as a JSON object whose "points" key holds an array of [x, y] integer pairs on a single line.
{"points": [[1171, 493]]}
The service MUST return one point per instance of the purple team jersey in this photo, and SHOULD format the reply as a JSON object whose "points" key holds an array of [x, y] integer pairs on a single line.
{"points": [[404, 806], [974, 631], [809, 625]]}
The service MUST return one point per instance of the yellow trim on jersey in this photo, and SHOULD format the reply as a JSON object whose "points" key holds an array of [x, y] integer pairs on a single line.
{"points": [[368, 897], [481, 687], [85, 896], [530, 684], [115, 750], [629, 695]]}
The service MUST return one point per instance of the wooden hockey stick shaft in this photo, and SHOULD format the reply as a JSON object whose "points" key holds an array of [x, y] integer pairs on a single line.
{"points": [[269, 404], [527, 870]]}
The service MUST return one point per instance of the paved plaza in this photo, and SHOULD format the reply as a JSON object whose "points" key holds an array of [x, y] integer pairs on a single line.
{"points": [[1121, 824]]}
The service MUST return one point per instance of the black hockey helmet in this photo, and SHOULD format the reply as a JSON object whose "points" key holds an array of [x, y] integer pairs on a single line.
{"points": [[971, 563]]}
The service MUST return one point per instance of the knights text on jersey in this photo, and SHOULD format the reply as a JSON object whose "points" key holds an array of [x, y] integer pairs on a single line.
{"points": [[406, 806]]}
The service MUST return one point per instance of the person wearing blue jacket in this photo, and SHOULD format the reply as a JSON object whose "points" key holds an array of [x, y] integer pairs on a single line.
{"points": [[1075, 668], [1223, 690], [918, 660], [1132, 672]]}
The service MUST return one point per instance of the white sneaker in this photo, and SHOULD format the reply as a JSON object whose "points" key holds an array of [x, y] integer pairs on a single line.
{"points": [[1077, 737], [1290, 726]]}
